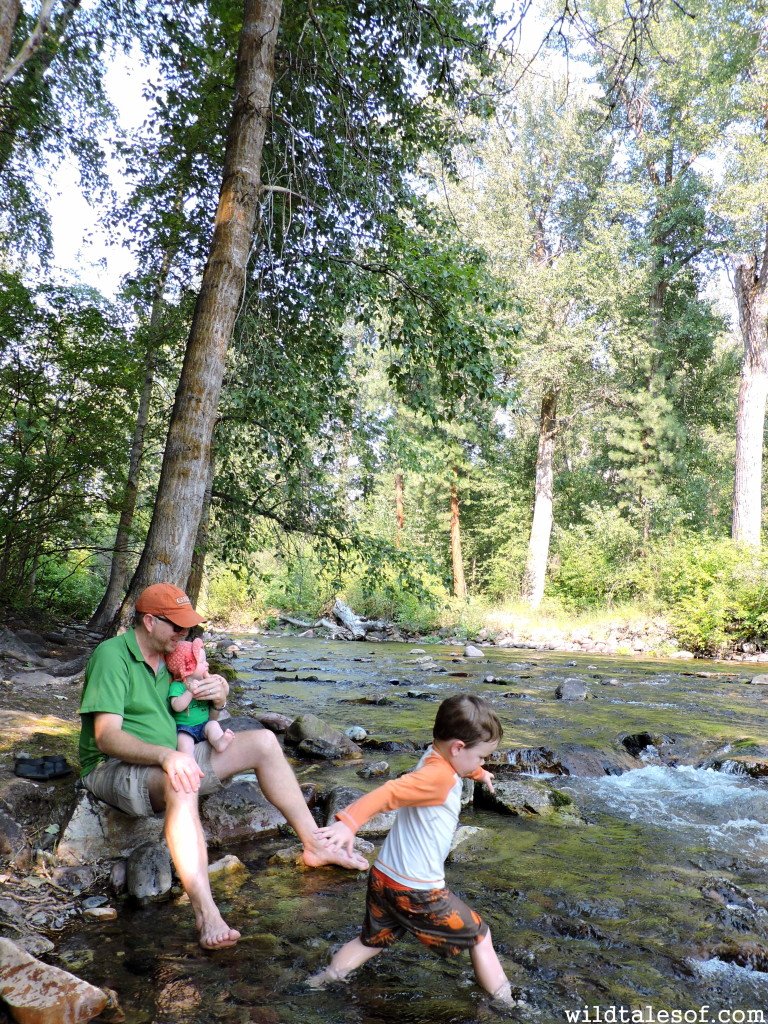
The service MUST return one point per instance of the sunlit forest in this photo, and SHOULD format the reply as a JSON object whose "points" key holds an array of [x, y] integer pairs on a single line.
{"points": [[448, 309]]}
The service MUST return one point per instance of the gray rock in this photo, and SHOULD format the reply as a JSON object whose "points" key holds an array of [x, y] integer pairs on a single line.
{"points": [[238, 812], [14, 847], [356, 733], [97, 832], [314, 747], [149, 874], [470, 651], [375, 770], [518, 797], [572, 689], [274, 721], [342, 796], [310, 727]]}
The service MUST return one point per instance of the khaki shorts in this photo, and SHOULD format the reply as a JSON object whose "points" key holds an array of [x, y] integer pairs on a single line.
{"points": [[126, 786]]}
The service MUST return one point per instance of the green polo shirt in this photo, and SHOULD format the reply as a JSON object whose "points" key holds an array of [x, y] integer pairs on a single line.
{"points": [[120, 682]]}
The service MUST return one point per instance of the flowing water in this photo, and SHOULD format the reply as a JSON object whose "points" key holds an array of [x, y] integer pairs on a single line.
{"points": [[652, 901]]}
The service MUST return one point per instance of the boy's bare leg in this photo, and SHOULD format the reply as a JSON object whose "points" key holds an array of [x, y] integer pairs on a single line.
{"points": [[186, 844], [185, 743], [489, 972], [347, 959], [218, 738], [260, 751]]}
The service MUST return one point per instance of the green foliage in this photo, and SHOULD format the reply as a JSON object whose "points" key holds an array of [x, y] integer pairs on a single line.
{"points": [[714, 591], [591, 559], [67, 381], [68, 587], [230, 599]]}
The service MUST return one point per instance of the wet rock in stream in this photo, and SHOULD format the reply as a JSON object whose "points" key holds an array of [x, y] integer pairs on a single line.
{"points": [[149, 875], [572, 689], [312, 728]]}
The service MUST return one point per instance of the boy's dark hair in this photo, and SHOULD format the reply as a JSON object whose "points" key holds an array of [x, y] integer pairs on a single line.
{"points": [[468, 718]]}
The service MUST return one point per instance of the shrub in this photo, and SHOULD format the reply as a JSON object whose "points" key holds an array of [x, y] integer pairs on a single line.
{"points": [[591, 558]]}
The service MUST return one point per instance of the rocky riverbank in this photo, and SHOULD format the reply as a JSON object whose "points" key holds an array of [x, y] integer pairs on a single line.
{"points": [[64, 858]]}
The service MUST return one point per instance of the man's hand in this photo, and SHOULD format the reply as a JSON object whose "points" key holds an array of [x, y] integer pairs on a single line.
{"points": [[212, 688], [183, 771]]}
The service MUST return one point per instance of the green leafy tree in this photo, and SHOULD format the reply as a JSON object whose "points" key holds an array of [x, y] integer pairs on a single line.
{"points": [[68, 381]]}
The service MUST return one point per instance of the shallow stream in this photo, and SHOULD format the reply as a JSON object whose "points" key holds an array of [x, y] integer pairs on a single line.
{"points": [[654, 901]]}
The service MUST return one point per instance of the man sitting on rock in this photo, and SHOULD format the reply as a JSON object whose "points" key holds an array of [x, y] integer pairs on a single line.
{"points": [[128, 754]]}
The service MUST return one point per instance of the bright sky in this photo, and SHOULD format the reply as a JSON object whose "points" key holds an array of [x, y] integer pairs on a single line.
{"points": [[82, 249]]}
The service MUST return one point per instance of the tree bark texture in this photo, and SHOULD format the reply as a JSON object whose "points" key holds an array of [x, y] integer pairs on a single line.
{"points": [[195, 581], [399, 508], [751, 288], [118, 574], [168, 551], [457, 559], [9, 15], [541, 527]]}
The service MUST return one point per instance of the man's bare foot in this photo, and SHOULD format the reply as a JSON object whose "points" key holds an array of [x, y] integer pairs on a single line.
{"points": [[215, 933], [220, 743], [318, 855]]}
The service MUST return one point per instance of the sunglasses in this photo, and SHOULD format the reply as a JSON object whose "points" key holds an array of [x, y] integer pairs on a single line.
{"points": [[174, 627]]}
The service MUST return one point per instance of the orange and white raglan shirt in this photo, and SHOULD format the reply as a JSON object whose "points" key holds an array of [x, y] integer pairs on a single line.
{"points": [[428, 802]]}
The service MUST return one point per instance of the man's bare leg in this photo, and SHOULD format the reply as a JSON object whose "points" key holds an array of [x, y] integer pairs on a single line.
{"points": [[260, 751], [186, 844]]}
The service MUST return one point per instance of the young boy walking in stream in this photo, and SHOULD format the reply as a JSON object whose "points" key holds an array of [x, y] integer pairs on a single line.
{"points": [[406, 886]]}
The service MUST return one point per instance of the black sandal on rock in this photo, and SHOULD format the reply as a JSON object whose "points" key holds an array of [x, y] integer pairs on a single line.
{"points": [[52, 766]]}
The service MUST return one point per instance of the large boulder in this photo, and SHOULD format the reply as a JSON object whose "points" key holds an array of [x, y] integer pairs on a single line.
{"points": [[517, 796], [97, 832], [37, 993], [238, 812], [310, 727], [341, 796]]}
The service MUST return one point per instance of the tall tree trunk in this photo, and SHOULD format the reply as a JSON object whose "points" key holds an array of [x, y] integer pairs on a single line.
{"points": [[457, 559], [9, 15], [399, 508], [751, 288], [168, 551], [118, 574], [195, 581], [541, 527]]}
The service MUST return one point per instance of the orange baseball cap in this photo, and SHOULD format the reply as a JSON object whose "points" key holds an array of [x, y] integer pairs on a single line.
{"points": [[170, 602]]}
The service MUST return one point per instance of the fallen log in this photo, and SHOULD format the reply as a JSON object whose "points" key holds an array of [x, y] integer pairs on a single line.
{"points": [[347, 618], [295, 622]]}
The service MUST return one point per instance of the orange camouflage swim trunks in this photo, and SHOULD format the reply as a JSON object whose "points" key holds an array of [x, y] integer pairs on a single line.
{"points": [[436, 917]]}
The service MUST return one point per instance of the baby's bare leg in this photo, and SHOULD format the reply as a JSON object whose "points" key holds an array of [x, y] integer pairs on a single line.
{"points": [[185, 743], [347, 959], [218, 737]]}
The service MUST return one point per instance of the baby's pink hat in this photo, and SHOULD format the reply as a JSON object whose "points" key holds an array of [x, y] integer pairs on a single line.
{"points": [[183, 661]]}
